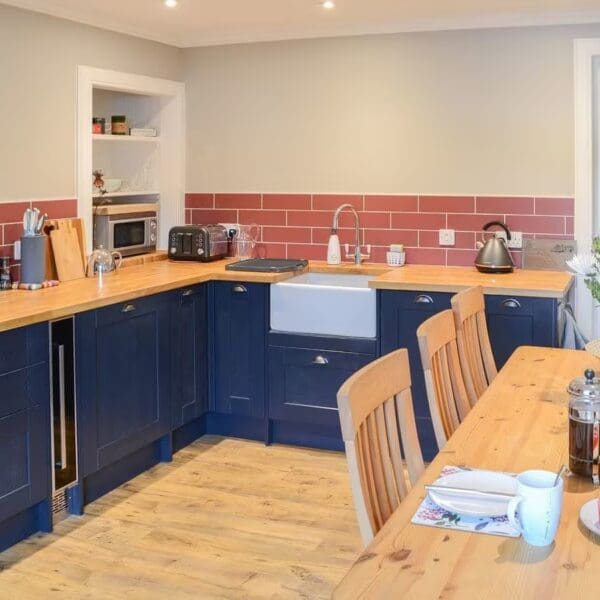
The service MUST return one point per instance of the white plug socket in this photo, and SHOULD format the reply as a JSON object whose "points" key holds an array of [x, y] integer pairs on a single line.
{"points": [[17, 250], [516, 239], [447, 237]]}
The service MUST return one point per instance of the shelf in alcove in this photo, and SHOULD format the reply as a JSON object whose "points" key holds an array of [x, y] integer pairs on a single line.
{"points": [[126, 194], [108, 137]]}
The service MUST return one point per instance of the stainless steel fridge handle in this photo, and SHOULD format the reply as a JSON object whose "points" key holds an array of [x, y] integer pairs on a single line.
{"points": [[61, 401]]}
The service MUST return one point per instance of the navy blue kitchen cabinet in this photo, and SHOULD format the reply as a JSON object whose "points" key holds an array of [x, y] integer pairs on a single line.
{"points": [[239, 327], [512, 322], [520, 321], [401, 315], [123, 379], [304, 375], [24, 433], [189, 349]]}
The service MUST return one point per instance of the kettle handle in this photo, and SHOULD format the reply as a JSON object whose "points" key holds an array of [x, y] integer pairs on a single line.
{"points": [[499, 224], [119, 257]]}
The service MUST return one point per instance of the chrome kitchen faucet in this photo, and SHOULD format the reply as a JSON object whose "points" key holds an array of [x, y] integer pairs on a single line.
{"points": [[358, 255]]}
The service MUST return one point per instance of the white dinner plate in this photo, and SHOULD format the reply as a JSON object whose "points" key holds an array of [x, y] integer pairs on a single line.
{"points": [[590, 515], [479, 506]]}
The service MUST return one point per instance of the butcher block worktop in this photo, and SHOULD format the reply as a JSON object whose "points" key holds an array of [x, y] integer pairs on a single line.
{"points": [[19, 307], [539, 284]]}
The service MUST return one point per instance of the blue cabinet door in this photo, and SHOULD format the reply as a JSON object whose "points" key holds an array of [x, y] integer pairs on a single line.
{"points": [[520, 321], [24, 419], [189, 349], [123, 376], [401, 315], [240, 316], [303, 384]]}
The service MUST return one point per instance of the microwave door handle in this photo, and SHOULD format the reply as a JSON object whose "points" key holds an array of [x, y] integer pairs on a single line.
{"points": [[62, 409]]}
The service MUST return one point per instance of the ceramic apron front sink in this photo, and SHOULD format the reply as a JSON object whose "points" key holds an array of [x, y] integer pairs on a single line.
{"points": [[325, 304]]}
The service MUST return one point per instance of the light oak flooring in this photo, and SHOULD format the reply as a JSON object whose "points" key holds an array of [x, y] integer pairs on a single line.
{"points": [[226, 519]]}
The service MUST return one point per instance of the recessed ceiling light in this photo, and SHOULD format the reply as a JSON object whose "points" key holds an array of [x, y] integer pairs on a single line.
{"points": [[328, 4], [171, 3]]}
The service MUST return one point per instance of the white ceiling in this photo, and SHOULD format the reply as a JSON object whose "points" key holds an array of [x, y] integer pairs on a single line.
{"points": [[204, 22]]}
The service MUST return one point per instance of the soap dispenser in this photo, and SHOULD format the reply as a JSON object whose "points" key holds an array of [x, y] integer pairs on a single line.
{"points": [[334, 253]]}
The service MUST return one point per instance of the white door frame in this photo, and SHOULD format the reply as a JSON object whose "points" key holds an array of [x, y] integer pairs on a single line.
{"points": [[586, 216], [172, 163]]}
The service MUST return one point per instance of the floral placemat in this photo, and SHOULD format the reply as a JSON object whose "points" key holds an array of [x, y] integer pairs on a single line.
{"points": [[432, 515]]}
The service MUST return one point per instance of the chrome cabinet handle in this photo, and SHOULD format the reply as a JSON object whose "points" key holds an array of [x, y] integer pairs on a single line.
{"points": [[423, 299], [128, 308], [320, 360], [187, 293], [239, 289], [511, 303], [62, 409]]}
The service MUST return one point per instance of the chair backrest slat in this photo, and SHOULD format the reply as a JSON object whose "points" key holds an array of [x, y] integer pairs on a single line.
{"points": [[446, 392], [378, 426], [475, 351]]}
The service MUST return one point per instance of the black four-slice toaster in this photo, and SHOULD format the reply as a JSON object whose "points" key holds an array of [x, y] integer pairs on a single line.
{"points": [[198, 242]]}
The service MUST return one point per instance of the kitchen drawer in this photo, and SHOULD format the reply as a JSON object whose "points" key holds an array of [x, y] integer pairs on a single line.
{"points": [[23, 346], [23, 389], [303, 383], [323, 342], [117, 313]]}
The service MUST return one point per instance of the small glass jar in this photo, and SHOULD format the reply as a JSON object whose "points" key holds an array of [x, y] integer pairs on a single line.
{"points": [[5, 280], [584, 424], [119, 125], [98, 125]]}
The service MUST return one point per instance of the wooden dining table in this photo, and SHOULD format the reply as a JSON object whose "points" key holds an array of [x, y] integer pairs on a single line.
{"points": [[520, 423]]}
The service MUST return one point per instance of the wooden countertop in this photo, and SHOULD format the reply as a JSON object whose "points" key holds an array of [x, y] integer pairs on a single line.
{"points": [[20, 307], [541, 284], [520, 423]]}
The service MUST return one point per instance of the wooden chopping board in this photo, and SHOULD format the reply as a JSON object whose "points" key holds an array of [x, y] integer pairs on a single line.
{"points": [[66, 261]]}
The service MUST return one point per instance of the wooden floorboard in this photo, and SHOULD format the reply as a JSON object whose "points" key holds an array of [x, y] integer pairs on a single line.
{"points": [[227, 518]]}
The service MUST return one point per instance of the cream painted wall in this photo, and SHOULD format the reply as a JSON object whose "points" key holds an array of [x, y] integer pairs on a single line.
{"points": [[38, 59], [488, 112]]}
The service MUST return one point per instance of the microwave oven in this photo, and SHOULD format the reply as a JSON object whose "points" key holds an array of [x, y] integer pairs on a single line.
{"points": [[128, 228]]}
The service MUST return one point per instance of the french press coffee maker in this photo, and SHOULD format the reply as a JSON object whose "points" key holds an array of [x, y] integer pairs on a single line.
{"points": [[584, 425]]}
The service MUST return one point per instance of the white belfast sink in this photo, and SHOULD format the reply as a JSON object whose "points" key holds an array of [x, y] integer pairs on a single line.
{"points": [[325, 304]]}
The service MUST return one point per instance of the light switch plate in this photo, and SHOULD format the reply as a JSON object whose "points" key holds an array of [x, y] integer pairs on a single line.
{"points": [[17, 250], [447, 237]]}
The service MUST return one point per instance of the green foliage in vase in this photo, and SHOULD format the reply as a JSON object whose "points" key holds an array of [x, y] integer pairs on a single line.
{"points": [[593, 281]]}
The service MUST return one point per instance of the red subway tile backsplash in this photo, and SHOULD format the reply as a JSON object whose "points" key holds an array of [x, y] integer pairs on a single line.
{"points": [[299, 225], [554, 206], [287, 201], [12, 212], [507, 205], [238, 201], [447, 204]]}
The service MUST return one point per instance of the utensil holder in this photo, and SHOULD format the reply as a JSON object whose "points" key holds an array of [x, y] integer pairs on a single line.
{"points": [[395, 259], [33, 258]]}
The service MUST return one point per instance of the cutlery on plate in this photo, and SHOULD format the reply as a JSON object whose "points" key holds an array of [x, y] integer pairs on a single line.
{"points": [[467, 491]]}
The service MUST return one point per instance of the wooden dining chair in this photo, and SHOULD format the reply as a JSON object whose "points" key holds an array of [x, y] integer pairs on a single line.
{"points": [[446, 392], [380, 435], [474, 348]]}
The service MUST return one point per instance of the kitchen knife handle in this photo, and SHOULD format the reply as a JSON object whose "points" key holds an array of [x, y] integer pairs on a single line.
{"points": [[511, 303]]}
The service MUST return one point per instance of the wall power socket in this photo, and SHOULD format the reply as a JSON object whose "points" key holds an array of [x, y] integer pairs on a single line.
{"points": [[516, 239], [447, 237]]}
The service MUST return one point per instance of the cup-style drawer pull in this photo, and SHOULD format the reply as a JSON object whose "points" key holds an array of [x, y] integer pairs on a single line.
{"points": [[511, 303], [320, 360], [187, 293], [423, 299], [239, 289], [128, 308]]}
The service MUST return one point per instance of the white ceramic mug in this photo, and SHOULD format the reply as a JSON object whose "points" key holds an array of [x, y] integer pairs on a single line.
{"points": [[539, 504]]}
